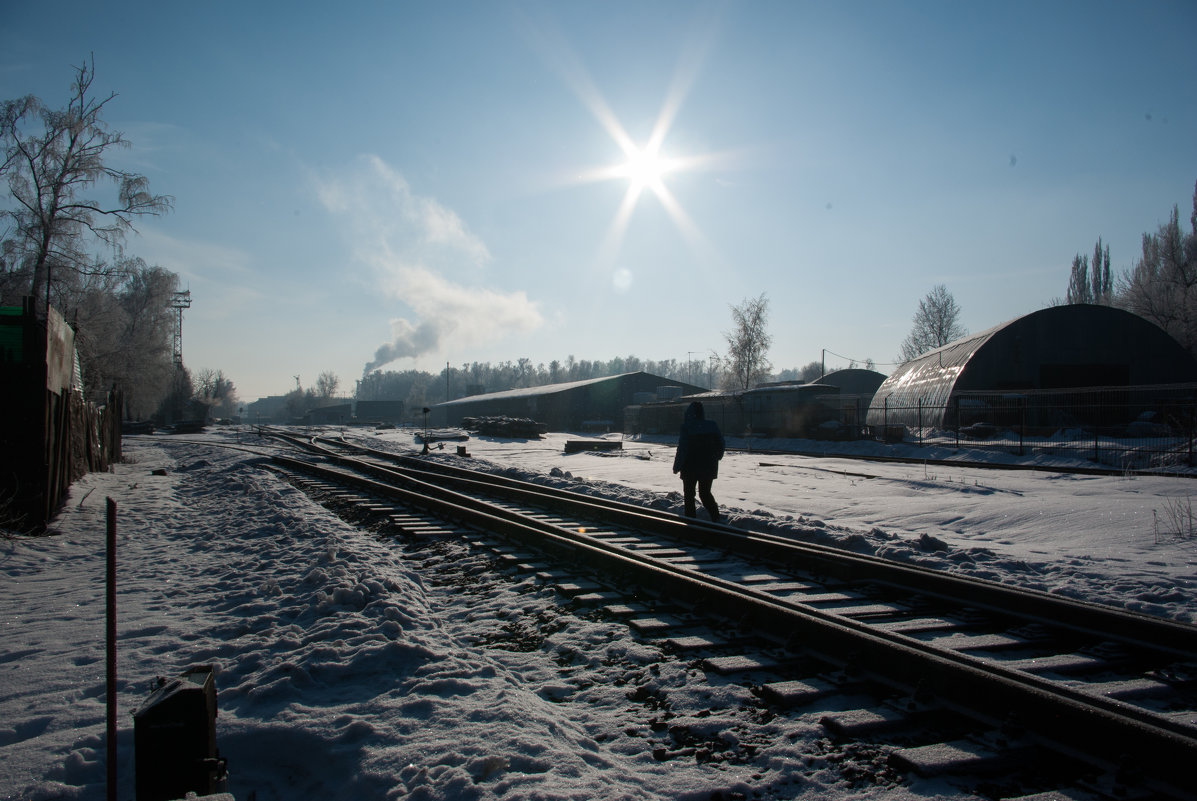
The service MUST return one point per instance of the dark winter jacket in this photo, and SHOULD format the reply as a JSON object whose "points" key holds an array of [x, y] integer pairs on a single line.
{"points": [[699, 446]]}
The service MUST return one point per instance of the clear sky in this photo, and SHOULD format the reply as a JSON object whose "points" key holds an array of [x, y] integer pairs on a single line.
{"points": [[428, 182]]}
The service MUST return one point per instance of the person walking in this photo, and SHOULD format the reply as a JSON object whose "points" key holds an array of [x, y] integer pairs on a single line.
{"points": [[699, 449]]}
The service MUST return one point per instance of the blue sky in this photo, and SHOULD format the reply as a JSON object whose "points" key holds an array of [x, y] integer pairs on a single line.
{"points": [[445, 182]]}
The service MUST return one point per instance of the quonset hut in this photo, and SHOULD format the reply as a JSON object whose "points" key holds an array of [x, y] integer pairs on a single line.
{"points": [[592, 404], [854, 381], [856, 389], [1060, 347]]}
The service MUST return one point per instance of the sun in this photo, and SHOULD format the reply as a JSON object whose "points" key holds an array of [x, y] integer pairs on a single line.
{"points": [[644, 169], [643, 166]]}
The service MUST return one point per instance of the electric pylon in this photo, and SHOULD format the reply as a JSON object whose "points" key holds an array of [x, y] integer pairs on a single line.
{"points": [[179, 301]]}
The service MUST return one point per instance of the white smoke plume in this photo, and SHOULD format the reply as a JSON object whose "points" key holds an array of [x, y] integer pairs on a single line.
{"points": [[415, 246], [410, 341]]}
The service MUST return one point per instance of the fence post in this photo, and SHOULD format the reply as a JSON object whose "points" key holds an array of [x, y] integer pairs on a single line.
{"points": [[921, 420], [957, 422], [110, 647], [885, 422]]}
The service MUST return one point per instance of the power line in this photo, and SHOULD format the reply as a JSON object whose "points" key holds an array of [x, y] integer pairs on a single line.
{"points": [[860, 361]]}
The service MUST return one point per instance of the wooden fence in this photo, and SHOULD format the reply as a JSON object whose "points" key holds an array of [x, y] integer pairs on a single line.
{"points": [[49, 435]]}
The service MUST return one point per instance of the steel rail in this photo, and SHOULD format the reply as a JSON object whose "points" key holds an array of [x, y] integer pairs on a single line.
{"points": [[1085, 724], [1133, 628]]}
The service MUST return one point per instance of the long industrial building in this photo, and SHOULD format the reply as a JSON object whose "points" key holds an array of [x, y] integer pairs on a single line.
{"points": [[595, 404]]}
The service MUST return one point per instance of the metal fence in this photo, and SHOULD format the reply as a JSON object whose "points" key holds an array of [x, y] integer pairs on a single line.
{"points": [[1128, 428]]}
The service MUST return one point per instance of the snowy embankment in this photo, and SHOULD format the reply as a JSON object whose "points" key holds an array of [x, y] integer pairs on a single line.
{"points": [[350, 670]]}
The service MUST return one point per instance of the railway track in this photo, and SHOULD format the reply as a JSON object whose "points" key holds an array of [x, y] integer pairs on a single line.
{"points": [[961, 676]]}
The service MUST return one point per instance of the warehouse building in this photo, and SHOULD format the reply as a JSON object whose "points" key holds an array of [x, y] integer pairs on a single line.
{"points": [[595, 404], [1056, 348]]}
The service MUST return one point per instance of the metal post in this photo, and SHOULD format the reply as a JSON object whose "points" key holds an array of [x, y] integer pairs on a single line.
{"points": [[920, 421], [111, 649], [957, 422], [1022, 423], [1192, 419]]}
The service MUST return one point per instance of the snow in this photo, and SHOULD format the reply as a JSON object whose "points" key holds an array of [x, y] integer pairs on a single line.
{"points": [[347, 668]]}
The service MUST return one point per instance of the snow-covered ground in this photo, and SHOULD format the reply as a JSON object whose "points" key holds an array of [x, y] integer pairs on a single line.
{"points": [[347, 669]]}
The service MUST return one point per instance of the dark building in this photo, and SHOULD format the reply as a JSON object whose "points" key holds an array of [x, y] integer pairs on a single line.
{"points": [[266, 410], [594, 404], [338, 414], [1060, 347], [785, 409], [380, 411]]}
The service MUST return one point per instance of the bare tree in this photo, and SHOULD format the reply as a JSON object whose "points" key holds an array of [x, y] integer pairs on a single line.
{"points": [[748, 343], [936, 323], [50, 159], [326, 385], [216, 392]]}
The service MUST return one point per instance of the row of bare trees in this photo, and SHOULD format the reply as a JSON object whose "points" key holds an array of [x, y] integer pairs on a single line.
{"points": [[1160, 286]]}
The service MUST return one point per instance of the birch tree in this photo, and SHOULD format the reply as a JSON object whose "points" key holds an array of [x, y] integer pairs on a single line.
{"points": [[748, 343], [53, 161]]}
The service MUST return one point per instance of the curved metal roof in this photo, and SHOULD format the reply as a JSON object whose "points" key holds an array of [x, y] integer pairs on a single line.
{"points": [[930, 378], [1059, 346], [854, 380]]}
